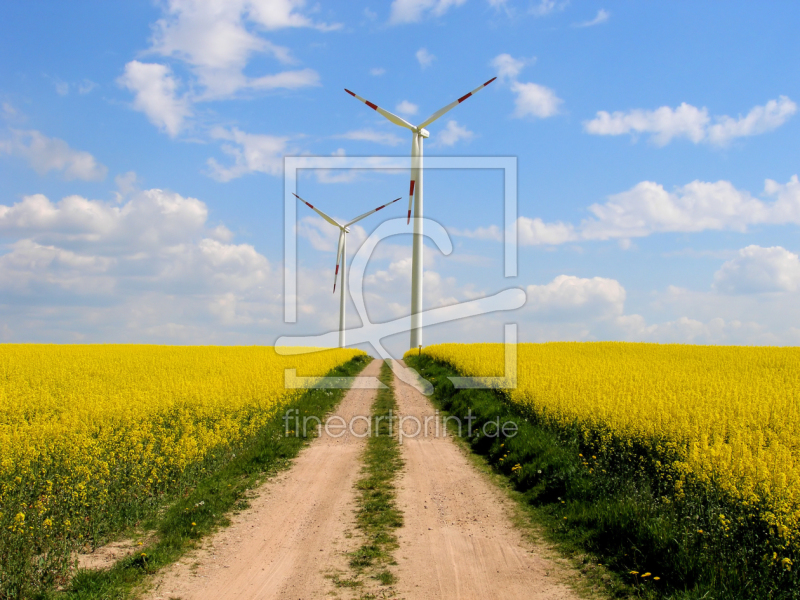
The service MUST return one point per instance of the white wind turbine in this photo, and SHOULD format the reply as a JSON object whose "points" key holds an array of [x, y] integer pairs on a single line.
{"points": [[341, 254], [415, 191]]}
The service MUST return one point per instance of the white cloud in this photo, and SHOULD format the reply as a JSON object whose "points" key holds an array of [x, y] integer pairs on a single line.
{"points": [[686, 121], [425, 58], [251, 153], [453, 134], [370, 135], [507, 66], [758, 269], [532, 99], [648, 208], [217, 40], [46, 154], [492, 232], [535, 100], [407, 108], [62, 88], [411, 11], [82, 269], [568, 297], [535, 232], [288, 80], [602, 17], [377, 71], [150, 218], [155, 91], [546, 7]]}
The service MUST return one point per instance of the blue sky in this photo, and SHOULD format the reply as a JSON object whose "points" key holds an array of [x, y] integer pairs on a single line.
{"points": [[142, 146]]}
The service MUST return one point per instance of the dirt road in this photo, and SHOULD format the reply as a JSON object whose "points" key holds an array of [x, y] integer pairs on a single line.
{"points": [[292, 535], [458, 540]]}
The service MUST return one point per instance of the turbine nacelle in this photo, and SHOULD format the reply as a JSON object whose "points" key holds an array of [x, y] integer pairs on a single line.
{"points": [[423, 132]]}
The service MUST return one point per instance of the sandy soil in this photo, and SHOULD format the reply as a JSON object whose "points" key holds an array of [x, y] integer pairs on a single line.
{"points": [[458, 540], [294, 533]]}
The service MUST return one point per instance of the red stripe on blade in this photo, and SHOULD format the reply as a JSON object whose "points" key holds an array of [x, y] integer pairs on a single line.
{"points": [[349, 92], [490, 81], [460, 100], [337, 272], [311, 205], [380, 207], [411, 193], [371, 105], [409, 217]]}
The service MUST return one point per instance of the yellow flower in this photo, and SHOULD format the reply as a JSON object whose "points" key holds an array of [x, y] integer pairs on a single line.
{"points": [[646, 574]]}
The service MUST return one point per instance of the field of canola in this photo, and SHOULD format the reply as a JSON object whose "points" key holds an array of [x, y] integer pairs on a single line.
{"points": [[88, 430], [721, 418]]}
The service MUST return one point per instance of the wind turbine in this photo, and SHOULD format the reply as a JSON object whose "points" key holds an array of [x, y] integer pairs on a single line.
{"points": [[419, 133], [341, 253]]}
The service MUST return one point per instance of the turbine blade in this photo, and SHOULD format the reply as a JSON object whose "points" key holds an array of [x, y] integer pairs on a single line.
{"points": [[338, 256], [366, 214], [318, 211], [393, 118], [442, 111]]}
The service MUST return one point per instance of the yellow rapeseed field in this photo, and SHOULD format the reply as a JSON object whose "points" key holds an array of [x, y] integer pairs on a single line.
{"points": [[724, 417], [85, 429]]}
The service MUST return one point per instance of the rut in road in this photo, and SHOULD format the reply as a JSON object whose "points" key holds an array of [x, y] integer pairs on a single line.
{"points": [[293, 534], [458, 540]]}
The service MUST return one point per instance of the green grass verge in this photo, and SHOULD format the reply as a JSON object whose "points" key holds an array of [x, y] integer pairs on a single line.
{"points": [[204, 508], [655, 546], [378, 515]]}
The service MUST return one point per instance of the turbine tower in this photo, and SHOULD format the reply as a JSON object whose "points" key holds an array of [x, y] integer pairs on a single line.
{"points": [[341, 254], [415, 197]]}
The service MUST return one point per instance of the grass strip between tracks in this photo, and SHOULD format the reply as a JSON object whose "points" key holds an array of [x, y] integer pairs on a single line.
{"points": [[627, 540], [377, 515], [205, 508]]}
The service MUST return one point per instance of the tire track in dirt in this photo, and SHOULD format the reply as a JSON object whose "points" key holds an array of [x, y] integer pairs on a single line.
{"points": [[458, 541], [295, 531]]}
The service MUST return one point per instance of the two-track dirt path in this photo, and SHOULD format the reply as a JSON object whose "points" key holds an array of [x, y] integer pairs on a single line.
{"points": [[458, 540], [294, 532]]}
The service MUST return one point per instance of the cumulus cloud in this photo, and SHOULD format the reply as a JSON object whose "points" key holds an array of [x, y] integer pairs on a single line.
{"points": [[252, 153], [648, 208], [532, 99], [570, 297], [377, 71], [453, 134], [155, 92], [686, 121], [217, 41], [601, 17], [81, 269], [407, 108], [758, 269], [370, 135], [46, 154], [149, 219], [424, 58], [507, 66], [412, 11]]}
